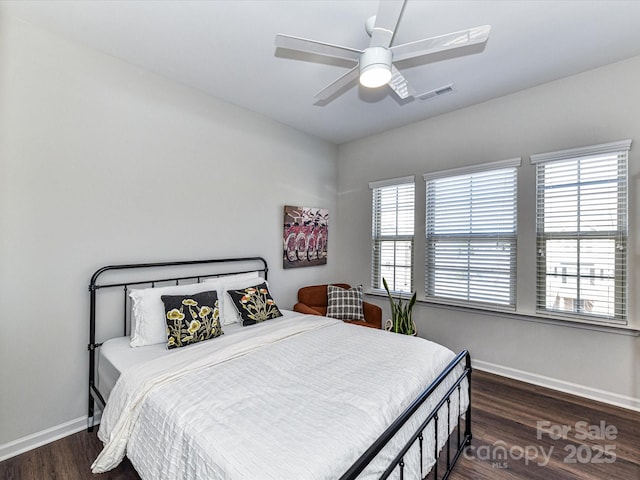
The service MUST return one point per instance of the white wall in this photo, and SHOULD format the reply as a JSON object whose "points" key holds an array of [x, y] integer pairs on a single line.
{"points": [[101, 163], [595, 107]]}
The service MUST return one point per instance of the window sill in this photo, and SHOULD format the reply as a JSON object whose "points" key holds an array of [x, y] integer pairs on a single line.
{"points": [[582, 324]]}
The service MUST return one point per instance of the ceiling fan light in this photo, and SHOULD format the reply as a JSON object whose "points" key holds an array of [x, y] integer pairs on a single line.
{"points": [[375, 67], [374, 76]]}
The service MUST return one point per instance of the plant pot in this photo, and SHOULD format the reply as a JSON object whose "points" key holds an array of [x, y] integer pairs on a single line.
{"points": [[388, 326]]}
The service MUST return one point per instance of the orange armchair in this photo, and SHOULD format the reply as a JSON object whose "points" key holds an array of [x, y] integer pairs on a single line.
{"points": [[312, 300]]}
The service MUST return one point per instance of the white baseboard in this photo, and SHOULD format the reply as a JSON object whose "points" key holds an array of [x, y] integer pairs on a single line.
{"points": [[38, 439], [616, 399]]}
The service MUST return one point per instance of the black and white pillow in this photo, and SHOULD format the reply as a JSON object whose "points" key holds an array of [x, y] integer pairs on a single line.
{"points": [[191, 318], [345, 303], [254, 304]]}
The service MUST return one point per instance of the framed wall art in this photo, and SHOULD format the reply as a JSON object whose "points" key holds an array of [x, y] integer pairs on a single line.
{"points": [[305, 236]]}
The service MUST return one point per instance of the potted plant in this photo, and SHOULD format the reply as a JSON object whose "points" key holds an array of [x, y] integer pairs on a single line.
{"points": [[400, 321]]}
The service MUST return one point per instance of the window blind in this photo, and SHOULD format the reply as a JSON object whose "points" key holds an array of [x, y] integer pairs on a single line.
{"points": [[392, 234], [471, 228], [581, 232]]}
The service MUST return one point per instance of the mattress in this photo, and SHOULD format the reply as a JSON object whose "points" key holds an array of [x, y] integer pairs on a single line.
{"points": [[298, 397], [116, 356]]}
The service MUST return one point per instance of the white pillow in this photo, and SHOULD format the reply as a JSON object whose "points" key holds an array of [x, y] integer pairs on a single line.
{"points": [[148, 326], [237, 277], [228, 312]]}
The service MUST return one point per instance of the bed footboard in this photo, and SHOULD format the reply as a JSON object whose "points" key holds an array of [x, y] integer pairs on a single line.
{"points": [[450, 454]]}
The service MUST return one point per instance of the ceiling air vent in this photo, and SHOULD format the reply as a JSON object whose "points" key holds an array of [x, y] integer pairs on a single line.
{"points": [[436, 93]]}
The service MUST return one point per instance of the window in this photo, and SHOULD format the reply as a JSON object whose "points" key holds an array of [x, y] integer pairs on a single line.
{"points": [[392, 234], [581, 231], [471, 235]]}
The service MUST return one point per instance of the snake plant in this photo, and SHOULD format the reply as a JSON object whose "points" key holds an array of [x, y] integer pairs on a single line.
{"points": [[401, 321]]}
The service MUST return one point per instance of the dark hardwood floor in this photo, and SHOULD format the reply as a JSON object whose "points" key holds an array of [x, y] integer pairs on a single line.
{"points": [[547, 435], [520, 432]]}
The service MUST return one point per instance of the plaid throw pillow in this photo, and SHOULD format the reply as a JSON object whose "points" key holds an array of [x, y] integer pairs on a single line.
{"points": [[344, 304]]}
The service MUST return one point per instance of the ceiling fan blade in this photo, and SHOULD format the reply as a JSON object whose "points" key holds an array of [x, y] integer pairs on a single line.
{"points": [[400, 85], [386, 21], [441, 43], [319, 48], [338, 85]]}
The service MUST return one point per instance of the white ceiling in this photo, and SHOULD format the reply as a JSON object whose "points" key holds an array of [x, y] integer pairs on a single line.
{"points": [[226, 48]]}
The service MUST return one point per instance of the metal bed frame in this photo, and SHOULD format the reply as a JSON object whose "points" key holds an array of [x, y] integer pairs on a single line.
{"points": [[212, 268]]}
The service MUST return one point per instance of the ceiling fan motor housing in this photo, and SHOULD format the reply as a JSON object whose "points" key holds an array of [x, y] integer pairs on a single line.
{"points": [[375, 66]]}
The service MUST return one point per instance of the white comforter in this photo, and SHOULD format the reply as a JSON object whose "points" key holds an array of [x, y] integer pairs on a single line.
{"points": [[294, 398]]}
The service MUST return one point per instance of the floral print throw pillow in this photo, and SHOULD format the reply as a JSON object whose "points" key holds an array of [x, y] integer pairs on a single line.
{"points": [[254, 304], [191, 318]]}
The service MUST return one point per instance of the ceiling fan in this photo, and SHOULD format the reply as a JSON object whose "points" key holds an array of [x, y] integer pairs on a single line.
{"points": [[375, 65]]}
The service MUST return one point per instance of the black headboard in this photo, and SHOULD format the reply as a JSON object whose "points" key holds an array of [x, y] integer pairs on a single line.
{"points": [[124, 276]]}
